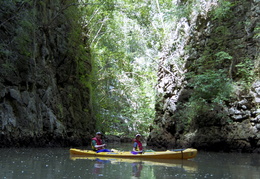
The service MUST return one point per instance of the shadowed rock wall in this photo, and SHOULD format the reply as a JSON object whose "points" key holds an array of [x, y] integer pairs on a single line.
{"points": [[231, 126], [42, 101]]}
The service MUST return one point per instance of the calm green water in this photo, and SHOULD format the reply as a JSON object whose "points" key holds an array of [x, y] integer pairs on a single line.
{"points": [[56, 163]]}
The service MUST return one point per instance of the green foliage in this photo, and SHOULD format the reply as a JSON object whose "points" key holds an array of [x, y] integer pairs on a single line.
{"points": [[186, 8], [20, 16], [245, 72], [123, 76], [257, 32], [24, 34], [77, 49], [222, 30], [223, 10], [127, 38], [188, 112], [211, 86], [7, 68], [222, 56]]}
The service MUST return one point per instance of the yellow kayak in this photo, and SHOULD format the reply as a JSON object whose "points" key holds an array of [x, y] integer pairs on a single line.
{"points": [[169, 154]]}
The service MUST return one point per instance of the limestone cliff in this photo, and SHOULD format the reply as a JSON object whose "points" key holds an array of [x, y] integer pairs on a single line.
{"points": [[42, 100], [217, 39]]}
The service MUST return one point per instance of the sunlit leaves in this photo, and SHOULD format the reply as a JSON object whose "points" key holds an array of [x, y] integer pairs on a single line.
{"points": [[123, 75]]}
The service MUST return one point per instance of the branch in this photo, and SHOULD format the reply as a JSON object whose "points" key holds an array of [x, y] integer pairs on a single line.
{"points": [[98, 32], [19, 8]]}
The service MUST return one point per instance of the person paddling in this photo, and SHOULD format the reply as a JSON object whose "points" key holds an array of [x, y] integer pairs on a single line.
{"points": [[97, 143], [138, 147]]}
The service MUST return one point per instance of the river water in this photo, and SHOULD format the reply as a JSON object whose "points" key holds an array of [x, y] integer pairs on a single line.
{"points": [[56, 163]]}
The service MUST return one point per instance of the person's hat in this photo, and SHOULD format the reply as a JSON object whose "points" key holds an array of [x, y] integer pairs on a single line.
{"points": [[98, 133], [138, 135]]}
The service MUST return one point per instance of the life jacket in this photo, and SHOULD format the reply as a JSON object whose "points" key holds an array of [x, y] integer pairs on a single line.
{"points": [[139, 145], [99, 142]]}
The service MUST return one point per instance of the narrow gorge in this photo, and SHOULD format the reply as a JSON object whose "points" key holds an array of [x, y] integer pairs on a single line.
{"points": [[71, 67]]}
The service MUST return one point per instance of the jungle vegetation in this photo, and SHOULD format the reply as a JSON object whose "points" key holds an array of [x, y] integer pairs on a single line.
{"points": [[126, 40]]}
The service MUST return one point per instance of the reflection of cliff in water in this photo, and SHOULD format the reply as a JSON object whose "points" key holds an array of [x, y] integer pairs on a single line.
{"points": [[186, 165], [233, 165]]}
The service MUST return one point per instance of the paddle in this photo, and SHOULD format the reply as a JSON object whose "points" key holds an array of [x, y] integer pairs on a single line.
{"points": [[137, 152], [114, 150], [103, 150], [177, 150]]}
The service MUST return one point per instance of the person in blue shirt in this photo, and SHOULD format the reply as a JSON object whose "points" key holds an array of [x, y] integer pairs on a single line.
{"points": [[138, 147]]}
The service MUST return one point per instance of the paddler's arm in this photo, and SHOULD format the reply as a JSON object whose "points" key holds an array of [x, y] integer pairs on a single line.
{"points": [[103, 145], [94, 143], [135, 148]]}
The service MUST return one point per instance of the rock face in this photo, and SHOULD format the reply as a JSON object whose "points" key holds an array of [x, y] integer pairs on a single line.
{"points": [[42, 100], [230, 125]]}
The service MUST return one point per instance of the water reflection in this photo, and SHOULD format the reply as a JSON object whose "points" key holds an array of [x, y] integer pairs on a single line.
{"points": [[98, 167], [136, 169], [150, 166], [57, 163]]}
